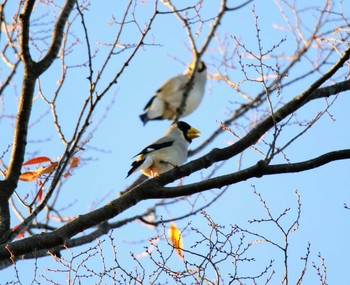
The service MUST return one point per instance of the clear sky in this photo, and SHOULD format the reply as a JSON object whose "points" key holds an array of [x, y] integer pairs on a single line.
{"points": [[119, 135]]}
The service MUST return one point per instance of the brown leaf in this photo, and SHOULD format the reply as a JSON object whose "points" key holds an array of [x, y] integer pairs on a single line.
{"points": [[74, 162]]}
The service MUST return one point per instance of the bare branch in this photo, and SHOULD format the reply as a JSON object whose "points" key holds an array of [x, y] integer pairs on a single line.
{"points": [[258, 170]]}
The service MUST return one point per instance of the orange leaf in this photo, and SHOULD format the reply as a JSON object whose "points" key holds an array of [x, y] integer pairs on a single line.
{"points": [[176, 239], [74, 162], [35, 174], [29, 176], [36, 160]]}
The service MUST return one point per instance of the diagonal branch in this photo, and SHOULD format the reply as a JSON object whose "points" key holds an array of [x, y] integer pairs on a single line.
{"points": [[319, 93]]}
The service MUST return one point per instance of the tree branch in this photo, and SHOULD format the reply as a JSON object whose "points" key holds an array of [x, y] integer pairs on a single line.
{"points": [[24, 36], [101, 230], [20, 133], [331, 90], [32, 71], [82, 222], [258, 170], [57, 36]]}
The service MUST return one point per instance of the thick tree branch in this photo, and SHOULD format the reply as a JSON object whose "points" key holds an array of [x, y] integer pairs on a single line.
{"points": [[57, 36], [82, 222], [32, 71], [319, 93], [24, 36], [101, 230], [20, 133], [17, 155], [60, 236], [331, 90], [258, 170]]}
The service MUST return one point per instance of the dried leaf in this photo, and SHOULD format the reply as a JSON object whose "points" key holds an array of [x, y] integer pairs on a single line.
{"points": [[67, 174], [176, 239], [37, 160], [29, 176], [35, 174], [49, 169], [74, 162]]}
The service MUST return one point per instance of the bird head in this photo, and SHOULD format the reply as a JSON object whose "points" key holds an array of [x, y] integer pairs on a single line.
{"points": [[200, 68], [188, 131]]}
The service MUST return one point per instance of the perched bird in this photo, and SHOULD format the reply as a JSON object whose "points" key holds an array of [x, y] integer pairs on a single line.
{"points": [[166, 101], [167, 152]]}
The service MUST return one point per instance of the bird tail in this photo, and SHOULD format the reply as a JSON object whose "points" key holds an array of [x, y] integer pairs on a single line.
{"points": [[144, 118], [134, 167]]}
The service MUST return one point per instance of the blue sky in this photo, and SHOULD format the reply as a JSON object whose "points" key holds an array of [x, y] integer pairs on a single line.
{"points": [[120, 135]]}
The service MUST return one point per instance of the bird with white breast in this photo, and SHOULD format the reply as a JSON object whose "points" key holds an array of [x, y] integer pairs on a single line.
{"points": [[165, 103], [167, 152]]}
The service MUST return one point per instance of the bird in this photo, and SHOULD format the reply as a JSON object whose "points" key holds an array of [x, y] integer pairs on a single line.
{"points": [[166, 101], [167, 152]]}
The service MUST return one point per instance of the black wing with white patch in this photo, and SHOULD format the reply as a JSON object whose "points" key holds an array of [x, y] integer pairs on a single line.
{"points": [[154, 147], [146, 150]]}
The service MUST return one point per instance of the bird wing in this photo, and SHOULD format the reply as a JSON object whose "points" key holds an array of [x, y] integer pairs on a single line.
{"points": [[172, 86], [150, 102], [144, 160], [155, 146]]}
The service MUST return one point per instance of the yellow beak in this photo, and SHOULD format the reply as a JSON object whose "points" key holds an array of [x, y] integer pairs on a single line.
{"points": [[193, 133]]}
